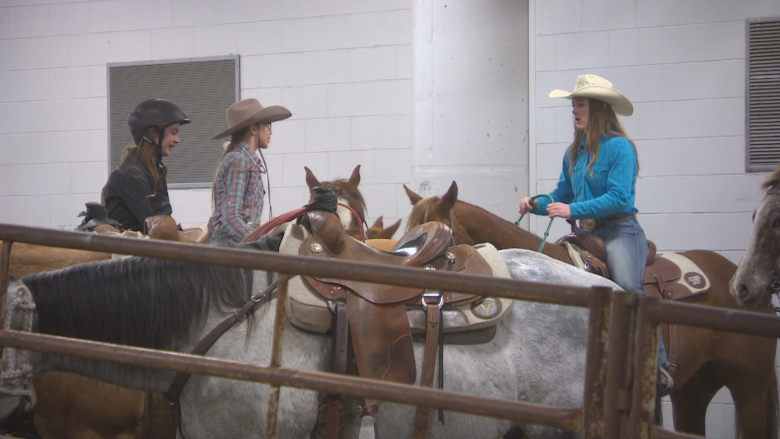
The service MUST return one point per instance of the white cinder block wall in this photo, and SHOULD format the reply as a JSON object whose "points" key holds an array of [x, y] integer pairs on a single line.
{"points": [[416, 92], [362, 79], [682, 63], [683, 66], [344, 69]]}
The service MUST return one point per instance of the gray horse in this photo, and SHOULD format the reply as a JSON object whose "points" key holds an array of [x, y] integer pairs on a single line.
{"points": [[537, 355]]}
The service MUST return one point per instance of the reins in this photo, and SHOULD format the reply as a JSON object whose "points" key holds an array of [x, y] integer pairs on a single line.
{"points": [[180, 380], [549, 225], [289, 216]]}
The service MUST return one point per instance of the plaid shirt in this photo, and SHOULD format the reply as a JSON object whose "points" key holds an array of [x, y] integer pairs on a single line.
{"points": [[239, 194]]}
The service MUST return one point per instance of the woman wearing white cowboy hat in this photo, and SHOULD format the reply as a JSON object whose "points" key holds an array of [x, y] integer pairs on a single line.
{"points": [[598, 185], [238, 191]]}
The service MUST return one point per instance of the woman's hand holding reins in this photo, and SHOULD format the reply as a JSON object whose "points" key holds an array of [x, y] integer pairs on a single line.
{"points": [[526, 206], [559, 210]]}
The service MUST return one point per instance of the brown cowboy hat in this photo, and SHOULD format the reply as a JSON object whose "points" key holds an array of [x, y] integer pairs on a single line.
{"points": [[249, 112]]}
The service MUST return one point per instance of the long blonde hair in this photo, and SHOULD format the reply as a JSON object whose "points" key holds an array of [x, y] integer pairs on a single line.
{"points": [[146, 152], [602, 121]]}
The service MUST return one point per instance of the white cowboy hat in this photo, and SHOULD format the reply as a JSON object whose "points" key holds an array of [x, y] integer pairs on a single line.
{"points": [[249, 112], [596, 87]]}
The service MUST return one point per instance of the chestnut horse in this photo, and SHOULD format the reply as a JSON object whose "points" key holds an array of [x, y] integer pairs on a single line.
{"points": [[756, 278], [707, 359], [348, 193]]}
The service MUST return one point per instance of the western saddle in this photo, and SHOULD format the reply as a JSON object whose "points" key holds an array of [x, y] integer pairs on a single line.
{"points": [[375, 321], [669, 276]]}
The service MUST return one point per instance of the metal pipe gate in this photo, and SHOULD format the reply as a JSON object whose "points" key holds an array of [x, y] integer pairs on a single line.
{"points": [[617, 404]]}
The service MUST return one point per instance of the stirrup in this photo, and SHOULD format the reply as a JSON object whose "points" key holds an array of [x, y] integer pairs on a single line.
{"points": [[664, 390], [367, 428]]}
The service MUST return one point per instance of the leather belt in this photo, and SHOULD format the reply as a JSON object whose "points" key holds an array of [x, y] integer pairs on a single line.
{"points": [[590, 224]]}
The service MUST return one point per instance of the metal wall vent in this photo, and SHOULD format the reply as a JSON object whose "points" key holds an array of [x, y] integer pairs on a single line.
{"points": [[203, 89], [763, 95]]}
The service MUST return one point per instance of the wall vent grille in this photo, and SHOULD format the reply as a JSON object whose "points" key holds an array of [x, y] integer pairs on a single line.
{"points": [[203, 89], [763, 106]]}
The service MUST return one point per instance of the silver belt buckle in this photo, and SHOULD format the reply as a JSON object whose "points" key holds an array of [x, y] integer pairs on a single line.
{"points": [[588, 224]]}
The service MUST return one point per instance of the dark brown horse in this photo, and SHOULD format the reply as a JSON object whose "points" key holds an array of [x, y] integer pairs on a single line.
{"points": [[707, 359], [757, 277], [348, 193]]}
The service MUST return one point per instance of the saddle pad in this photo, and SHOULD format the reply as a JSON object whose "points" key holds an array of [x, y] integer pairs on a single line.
{"points": [[307, 310], [691, 281], [575, 254], [683, 277]]}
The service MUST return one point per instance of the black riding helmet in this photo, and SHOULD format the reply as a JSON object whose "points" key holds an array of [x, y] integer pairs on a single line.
{"points": [[157, 113]]}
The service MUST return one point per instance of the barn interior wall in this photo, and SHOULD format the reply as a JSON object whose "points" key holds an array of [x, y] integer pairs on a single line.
{"points": [[683, 66], [348, 70], [343, 67], [416, 92], [470, 120]]}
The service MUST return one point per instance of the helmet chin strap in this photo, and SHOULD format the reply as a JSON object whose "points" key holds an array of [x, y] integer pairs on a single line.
{"points": [[158, 146]]}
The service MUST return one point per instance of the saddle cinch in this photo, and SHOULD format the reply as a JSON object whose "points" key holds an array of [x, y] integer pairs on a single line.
{"points": [[381, 319]]}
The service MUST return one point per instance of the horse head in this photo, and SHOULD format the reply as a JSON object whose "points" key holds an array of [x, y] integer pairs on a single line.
{"points": [[379, 231], [758, 275], [348, 193], [440, 209]]}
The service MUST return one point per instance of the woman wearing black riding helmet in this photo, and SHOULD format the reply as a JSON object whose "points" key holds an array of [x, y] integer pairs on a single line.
{"points": [[155, 126]]}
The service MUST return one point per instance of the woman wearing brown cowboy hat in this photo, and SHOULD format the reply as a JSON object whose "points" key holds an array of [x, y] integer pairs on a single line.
{"points": [[598, 186], [238, 191], [154, 125]]}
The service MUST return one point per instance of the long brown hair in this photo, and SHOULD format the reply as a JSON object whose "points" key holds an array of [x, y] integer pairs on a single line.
{"points": [[236, 138], [602, 121], [146, 152]]}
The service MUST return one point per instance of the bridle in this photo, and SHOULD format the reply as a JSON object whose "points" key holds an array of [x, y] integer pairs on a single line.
{"points": [[451, 224]]}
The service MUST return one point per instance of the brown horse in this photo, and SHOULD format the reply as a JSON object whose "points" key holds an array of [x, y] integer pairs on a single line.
{"points": [[706, 359], [348, 193], [73, 406], [757, 277]]}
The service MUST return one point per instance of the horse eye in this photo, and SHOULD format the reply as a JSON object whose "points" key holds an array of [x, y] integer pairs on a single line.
{"points": [[776, 222]]}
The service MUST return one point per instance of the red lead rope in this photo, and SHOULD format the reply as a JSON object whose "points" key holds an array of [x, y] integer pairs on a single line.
{"points": [[289, 216]]}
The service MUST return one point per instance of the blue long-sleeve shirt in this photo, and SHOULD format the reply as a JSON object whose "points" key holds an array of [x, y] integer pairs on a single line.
{"points": [[609, 191]]}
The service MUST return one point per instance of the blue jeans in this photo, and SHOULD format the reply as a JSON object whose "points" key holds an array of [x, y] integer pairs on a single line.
{"points": [[626, 255]]}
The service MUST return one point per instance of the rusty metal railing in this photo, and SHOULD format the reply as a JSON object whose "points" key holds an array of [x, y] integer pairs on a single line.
{"points": [[570, 419], [627, 323], [650, 314]]}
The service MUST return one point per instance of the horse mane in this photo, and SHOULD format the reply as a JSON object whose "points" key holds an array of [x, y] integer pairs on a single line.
{"points": [[135, 301], [420, 212], [772, 180]]}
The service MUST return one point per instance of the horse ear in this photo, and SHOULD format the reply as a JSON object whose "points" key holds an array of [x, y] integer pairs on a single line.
{"points": [[448, 199], [355, 177], [413, 197], [388, 232], [378, 230], [311, 180]]}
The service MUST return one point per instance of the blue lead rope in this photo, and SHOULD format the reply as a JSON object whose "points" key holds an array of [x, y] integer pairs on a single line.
{"points": [[547, 232]]}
